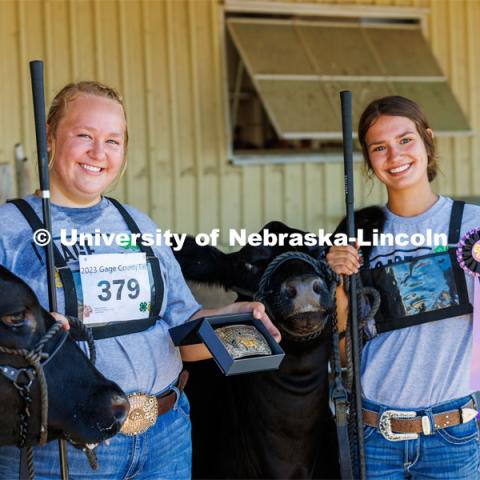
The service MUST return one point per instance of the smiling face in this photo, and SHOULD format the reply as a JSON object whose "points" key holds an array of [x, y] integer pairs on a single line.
{"points": [[89, 148], [397, 153]]}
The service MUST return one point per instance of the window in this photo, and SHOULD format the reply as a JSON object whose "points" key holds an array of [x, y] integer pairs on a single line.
{"points": [[285, 73]]}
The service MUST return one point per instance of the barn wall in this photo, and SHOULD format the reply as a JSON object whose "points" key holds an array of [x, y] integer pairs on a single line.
{"points": [[167, 59]]}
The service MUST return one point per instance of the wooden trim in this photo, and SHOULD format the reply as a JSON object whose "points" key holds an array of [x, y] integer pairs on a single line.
{"points": [[338, 135], [197, 131], [350, 78], [72, 31], [149, 131], [173, 109], [314, 135], [245, 160], [221, 40], [341, 10], [293, 22], [98, 41]]}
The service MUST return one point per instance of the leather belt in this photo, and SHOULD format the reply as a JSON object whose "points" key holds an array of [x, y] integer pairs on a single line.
{"points": [[145, 409], [397, 425]]}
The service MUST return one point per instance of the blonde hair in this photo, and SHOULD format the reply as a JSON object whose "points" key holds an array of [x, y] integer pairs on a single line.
{"points": [[69, 93]]}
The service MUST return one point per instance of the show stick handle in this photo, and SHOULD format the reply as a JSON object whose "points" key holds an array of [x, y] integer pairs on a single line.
{"points": [[36, 73], [346, 102]]}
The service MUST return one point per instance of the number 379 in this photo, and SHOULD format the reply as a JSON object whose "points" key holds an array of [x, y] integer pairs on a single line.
{"points": [[132, 285]]}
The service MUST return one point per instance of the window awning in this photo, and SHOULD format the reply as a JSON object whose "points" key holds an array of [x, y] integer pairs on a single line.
{"points": [[299, 67]]}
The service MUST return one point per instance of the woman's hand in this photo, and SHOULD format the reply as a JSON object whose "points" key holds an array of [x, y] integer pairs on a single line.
{"points": [[344, 260], [258, 311], [62, 319]]}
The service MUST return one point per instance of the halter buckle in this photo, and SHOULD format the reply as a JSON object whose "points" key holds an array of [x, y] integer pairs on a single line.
{"points": [[29, 374]]}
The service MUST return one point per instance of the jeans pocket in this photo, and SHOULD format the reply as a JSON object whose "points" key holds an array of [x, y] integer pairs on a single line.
{"points": [[460, 434], [184, 405]]}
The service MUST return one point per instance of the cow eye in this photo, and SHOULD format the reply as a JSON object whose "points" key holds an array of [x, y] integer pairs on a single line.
{"points": [[250, 267], [13, 320]]}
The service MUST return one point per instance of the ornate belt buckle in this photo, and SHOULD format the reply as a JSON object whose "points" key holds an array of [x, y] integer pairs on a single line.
{"points": [[143, 413], [243, 341], [385, 425]]}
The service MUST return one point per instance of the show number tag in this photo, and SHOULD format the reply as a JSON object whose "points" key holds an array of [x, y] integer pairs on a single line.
{"points": [[115, 287]]}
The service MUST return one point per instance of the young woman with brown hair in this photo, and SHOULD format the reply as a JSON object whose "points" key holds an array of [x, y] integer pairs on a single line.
{"points": [[418, 405]]}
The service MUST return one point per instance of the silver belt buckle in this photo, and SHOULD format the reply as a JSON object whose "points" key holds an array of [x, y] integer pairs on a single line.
{"points": [[385, 425], [143, 413]]}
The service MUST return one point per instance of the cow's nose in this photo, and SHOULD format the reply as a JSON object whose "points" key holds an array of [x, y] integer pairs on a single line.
{"points": [[120, 408], [304, 290]]}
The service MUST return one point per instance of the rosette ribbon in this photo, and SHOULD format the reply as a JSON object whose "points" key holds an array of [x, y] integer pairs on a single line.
{"points": [[468, 256]]}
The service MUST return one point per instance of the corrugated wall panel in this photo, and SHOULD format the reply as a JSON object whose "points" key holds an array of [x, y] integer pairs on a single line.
{"points": [[159, 111], [82, 39], [201, 44], [109, 63], [273, 191], [185, 194], [458, 76], [473, 14], [167, 58], [293, 181], [11, 124]]}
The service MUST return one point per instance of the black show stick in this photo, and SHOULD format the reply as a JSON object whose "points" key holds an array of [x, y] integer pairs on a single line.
{"points": [[346, 101], [36, 73]]}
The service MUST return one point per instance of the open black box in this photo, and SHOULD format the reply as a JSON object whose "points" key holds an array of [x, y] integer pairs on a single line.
{"points": [[203, 330]]}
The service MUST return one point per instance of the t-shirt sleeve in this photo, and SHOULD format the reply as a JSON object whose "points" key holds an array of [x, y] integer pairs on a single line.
{"points": [[180, 303]]}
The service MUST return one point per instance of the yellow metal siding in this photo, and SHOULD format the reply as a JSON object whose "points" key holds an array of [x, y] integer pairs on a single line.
{"points": [[167, 59]]}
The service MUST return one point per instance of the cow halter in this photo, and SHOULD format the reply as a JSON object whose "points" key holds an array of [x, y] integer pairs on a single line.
{"points": [[37, 359], [321, 268], [23, 378]]}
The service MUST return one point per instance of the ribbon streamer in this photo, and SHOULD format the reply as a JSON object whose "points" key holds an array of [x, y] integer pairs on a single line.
{"points": [[468, 255]]}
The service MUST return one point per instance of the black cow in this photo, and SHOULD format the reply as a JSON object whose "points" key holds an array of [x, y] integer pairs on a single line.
{"points": [[83, 406], [270, 424]]}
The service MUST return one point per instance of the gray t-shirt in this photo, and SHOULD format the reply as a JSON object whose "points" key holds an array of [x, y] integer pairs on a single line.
{"points": [[141, 362], [426, 364]]}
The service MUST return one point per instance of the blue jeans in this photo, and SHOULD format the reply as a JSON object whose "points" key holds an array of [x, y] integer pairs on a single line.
{"points": [[450, 453], [162, 452]]}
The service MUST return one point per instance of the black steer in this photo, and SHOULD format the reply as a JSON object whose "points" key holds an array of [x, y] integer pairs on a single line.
{"points": [[83, 406], [270, 424]]}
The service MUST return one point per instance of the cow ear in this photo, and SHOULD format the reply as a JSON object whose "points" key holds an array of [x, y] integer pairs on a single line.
{"points": [[204, 264], [367, 219], [277, 227]]}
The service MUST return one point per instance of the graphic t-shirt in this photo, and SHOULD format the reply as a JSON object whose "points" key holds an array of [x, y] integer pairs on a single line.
{"points": [[426, 364], [146, 361]]}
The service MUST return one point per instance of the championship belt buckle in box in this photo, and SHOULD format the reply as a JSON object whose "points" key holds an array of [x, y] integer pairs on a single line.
{"points": [[243, 341]]}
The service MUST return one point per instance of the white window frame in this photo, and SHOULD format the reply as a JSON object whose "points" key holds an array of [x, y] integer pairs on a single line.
{"points": [[368, 13]]}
